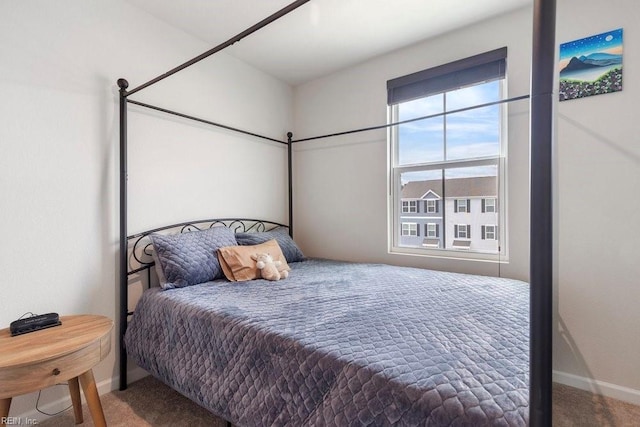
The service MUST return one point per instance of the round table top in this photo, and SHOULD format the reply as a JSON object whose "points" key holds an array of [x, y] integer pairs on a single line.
{"points": [[75, 332]]}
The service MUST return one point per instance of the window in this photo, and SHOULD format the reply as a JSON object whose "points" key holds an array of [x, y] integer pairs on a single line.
{"points": [[449, 144], [462, 231], [432, 230], [462, 205], [409, 206], [488, 205], [409, 229], [489, 232]]}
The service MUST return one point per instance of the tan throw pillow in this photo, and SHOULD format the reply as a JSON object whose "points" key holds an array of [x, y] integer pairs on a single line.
{"points": [[238, 266]]}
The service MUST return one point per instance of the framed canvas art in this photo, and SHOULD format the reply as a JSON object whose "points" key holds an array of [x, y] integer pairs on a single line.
{"points": [[591, 66]]}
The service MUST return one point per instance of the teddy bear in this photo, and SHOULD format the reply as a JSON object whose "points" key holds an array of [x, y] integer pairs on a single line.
{"points": [[269, 269]]}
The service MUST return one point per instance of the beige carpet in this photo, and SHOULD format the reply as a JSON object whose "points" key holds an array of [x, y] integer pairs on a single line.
{"points": [[148, 402], [579, 408]]}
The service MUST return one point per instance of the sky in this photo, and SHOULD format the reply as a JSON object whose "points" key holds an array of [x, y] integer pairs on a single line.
{"points": [[473, 133], [609, 42]]}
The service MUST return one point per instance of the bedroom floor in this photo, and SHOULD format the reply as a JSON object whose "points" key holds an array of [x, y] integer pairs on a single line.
{"points": [[148, 402]]}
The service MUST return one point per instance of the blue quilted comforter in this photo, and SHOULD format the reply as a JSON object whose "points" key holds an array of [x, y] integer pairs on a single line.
{"points": [[341, 344]]}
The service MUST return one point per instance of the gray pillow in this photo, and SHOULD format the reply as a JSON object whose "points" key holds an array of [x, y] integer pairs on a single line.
{"points": [[291, 251], [190, 258]]}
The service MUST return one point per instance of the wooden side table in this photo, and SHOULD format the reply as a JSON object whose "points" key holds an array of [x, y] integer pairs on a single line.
{"points": [[50, 356]]}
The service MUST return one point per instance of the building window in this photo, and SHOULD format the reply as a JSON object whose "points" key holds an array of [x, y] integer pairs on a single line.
{"points": [[449, 144], [489, 232], [462, 231], [462, 205], [409, 229], [488, 205], [432, 231], [409, 206]]}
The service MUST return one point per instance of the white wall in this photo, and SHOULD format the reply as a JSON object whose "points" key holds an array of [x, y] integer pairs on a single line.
{"points": [[340, 198], [340, 184], [59, 151], [597, 205]]}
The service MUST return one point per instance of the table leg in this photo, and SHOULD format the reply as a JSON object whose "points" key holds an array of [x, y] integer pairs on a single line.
{"points": [[88, 384], [74, 391], [4, 410]]}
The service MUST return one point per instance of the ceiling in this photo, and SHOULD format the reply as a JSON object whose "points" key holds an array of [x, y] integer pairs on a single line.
{"points": [[321, 36]]}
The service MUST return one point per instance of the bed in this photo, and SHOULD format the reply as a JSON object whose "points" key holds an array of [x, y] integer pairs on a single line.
{"points": [[439, 348], [340, 343]]}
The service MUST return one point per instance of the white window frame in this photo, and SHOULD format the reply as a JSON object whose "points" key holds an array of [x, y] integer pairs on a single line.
{"points": [[462, 206], [431, 206], [486, 231], [396, 171], [458, 228], [432, 233], [410, 229], [410, 208], [492, 205]]}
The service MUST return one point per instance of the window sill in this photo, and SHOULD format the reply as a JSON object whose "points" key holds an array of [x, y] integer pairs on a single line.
{"points": [[451, 254]]}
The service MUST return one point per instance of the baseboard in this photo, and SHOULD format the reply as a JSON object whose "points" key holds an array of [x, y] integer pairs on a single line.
{"points": [[133, 375], [104, 386], [598, 387]]}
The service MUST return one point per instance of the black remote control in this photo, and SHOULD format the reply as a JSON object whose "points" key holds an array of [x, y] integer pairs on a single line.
{"points": [[34, 323]]}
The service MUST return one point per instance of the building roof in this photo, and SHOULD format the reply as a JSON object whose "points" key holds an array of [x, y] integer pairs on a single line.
{"points": [[484, 186]]}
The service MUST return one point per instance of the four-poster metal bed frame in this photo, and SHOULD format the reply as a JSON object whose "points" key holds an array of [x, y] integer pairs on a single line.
{"points": [[541, 160]]}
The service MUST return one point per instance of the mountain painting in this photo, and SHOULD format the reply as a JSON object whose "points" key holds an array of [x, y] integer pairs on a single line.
{"points": [[591, 66]]}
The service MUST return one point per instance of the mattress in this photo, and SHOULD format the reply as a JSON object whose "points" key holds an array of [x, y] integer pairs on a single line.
{"points": [[343, 344]]}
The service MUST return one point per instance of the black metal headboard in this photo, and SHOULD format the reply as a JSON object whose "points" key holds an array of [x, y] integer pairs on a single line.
{"points": [[139, 256]]}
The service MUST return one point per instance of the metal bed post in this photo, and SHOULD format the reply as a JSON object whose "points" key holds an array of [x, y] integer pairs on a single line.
{"points": [[124, 292], [541, 237], [290, 179]]}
